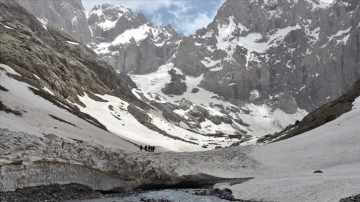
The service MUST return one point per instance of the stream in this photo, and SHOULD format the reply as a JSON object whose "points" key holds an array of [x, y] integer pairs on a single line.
{"points": [[174, 195]]}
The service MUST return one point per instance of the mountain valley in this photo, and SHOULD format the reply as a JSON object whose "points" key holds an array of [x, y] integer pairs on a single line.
{"points": [[267, 92]]}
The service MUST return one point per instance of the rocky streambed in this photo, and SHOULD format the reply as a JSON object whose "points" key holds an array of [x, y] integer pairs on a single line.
{"points": [[77, 193]]}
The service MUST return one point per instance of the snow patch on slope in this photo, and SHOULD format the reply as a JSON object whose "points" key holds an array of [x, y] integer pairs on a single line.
{"points": [[35, 118], [158, 35], [227, 42]]}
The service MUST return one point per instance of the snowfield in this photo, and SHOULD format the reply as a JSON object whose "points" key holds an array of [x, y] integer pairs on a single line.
{"points": [[287, 166], [281, 171]]}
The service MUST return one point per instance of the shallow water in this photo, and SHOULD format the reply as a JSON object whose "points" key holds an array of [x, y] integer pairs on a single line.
{"points": [[183, 195]]}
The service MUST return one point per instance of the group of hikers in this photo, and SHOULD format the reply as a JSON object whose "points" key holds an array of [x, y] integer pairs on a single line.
{"points": [[147, 148]]}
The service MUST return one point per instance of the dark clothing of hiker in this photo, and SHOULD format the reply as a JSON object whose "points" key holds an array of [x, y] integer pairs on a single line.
{"points": [[146, 148], [141, 147]]}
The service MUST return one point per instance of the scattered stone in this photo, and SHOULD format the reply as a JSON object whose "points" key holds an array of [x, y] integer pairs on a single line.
{"points": [[194, 90], [355, 198], [318, 171], [221, 193], [154, 200], [51, 193]]}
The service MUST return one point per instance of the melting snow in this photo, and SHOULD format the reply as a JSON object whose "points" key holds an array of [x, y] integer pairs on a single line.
{"points": [[108, 24], [321, 4], [137, 34], [9, 69], [209, 62], [71, 42], [7, 27], [43, 21]]}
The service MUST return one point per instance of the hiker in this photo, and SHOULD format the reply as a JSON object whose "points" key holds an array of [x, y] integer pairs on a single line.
{"points": [[153, 148], [141, 147], [146, 148]]}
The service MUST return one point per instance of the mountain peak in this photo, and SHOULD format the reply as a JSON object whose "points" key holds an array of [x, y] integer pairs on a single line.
{"points": [[103, 8]]}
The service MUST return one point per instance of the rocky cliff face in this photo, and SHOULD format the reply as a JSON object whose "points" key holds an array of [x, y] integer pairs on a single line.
{"points": [[308, 50], [293, 53], [67, 16]]}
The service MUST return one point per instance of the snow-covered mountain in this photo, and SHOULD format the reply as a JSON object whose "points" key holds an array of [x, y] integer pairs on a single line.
{"points": [[128, 41], [71, 91], [303, 52], [258, 67]]}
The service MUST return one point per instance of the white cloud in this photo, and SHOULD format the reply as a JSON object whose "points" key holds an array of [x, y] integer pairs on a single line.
{"points": [[189, 25], [157, 20]]}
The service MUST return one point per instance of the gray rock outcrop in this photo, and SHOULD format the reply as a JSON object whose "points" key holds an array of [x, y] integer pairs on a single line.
{"points": [[177, 86], [67, 16]]}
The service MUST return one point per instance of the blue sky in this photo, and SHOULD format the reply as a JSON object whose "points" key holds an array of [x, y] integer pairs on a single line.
{"points": [[185, 16]]}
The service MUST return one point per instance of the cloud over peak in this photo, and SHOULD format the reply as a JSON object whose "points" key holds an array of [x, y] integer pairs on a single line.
{"points": [[185, 16]]}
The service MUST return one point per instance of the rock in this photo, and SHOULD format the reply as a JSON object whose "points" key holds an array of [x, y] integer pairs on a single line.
{"points": [[177, 86], [355, 198], [288, 103], [67, 16], [185, 104], [194, 90], [221, 193], [51, 193], [318, 171]]}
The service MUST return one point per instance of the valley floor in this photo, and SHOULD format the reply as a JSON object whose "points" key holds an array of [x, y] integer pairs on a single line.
{"points": [[281, 171]]}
